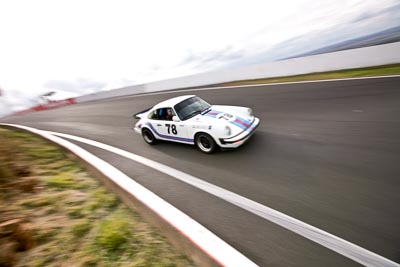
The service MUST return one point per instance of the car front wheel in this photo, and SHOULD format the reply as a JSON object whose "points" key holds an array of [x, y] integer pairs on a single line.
{"points": [[205, 143], [148, 136]]}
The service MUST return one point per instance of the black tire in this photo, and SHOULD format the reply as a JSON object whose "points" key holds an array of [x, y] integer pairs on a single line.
{"points": [[148, 136], [205, 143]]}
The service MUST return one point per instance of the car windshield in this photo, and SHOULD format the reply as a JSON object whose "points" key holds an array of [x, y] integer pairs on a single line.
{"points": [[191, 107]]}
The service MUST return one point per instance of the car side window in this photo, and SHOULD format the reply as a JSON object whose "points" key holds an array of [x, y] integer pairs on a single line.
{"points": [[164, 114], [169, 113], [153, 115]]}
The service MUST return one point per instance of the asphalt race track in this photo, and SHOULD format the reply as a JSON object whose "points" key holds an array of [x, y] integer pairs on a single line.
{"points": [[326, 153]]}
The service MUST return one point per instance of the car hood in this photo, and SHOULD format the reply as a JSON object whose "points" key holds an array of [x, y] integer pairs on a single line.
{"points": [[238, 118], [240, 112]]}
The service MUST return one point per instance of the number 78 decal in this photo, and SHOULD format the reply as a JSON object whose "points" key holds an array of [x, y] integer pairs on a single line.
{"points": [[171, 128]]}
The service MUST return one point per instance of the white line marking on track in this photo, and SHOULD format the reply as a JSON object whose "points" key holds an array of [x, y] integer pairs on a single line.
{"points": [[337, 244], [252, 85], [207, 241]]}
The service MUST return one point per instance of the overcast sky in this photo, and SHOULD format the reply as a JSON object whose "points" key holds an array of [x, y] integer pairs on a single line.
{"points": [[80, 47]]}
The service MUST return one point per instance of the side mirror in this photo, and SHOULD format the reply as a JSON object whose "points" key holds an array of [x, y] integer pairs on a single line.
{"points": [[176, 119]]}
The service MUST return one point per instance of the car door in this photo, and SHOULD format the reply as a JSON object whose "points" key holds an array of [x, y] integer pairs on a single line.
{"points": [[168, 129]]}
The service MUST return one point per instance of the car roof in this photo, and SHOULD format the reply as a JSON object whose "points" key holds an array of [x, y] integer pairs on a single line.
{"points": [[172, 101]]}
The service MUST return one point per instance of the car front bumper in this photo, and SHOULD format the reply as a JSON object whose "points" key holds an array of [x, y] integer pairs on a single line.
{"points": [[241, 138]]}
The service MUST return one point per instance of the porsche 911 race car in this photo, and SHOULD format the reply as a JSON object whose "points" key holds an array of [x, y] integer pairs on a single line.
{"points": [[191, 120]]}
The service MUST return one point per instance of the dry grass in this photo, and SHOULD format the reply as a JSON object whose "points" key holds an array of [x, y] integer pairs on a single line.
{"points": [[72, 219], [349, 73]]}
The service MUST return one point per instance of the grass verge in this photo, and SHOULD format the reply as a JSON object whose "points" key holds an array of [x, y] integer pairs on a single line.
{"points": [[349, 73], [53, 213]]}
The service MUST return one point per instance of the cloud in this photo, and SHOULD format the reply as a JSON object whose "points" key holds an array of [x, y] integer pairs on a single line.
{"points": [[5, 107], [387, 12], [79, 86], [365, 23], [221, 55], [197, 62], [12, 101], [325, 24]]}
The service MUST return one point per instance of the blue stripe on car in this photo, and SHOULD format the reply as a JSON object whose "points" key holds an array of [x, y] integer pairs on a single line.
{"points": [[244, 121], [241, 126], [250, 127], [176, 138]]}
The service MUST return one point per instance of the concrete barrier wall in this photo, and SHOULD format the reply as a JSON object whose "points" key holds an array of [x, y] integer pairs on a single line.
{"points": [[348, 59], [135, 89]]}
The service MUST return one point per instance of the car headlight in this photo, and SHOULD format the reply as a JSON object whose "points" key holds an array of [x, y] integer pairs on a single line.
{"points": [[227, 131], [250, 111]]}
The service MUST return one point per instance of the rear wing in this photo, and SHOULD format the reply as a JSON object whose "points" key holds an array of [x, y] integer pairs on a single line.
{"points": [[139, 115]]}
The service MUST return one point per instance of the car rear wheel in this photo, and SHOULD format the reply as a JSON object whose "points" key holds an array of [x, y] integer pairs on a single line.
{"points": [[148, 136], [205, 143]]}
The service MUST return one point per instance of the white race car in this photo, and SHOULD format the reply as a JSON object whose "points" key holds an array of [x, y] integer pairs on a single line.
{"points": [[191, 120]]}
